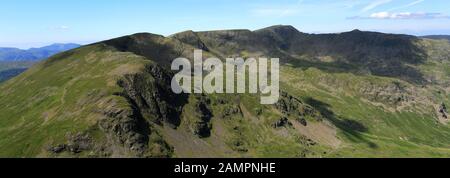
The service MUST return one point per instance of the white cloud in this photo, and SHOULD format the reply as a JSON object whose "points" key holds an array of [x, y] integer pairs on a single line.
{"points": [[374, 4], [404, 15], [380, 15]]}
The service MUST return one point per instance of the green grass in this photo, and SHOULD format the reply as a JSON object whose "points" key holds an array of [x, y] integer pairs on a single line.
{"points": [[57, 97], [389, 133]]}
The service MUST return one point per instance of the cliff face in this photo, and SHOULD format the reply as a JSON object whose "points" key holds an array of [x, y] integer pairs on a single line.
{"points": [[351, 94]]}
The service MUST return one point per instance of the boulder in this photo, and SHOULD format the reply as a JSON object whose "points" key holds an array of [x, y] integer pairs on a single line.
{"points": [[283, 122]]}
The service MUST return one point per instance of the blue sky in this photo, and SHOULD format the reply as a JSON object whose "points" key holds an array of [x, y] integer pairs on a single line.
{"points": [[31, 23]]}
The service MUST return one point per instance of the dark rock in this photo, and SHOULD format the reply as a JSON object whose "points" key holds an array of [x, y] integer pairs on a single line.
{"points": [[75, 144], [221, 101], [443, 107], [58, 149], [302, 121], [203, 127], [394, 93], [283, 122], [306, 141], [152, 94], [79, 143], [291, 106], [259, 111], [126, 127], [443, 110], [191, 38], [231, 111], [239, 146]]}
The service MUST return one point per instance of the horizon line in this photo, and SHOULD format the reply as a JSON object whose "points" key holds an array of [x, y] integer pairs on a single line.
{"points": [[30, 45]]}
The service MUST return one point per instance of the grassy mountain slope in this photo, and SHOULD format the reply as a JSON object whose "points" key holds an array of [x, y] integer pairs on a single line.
{"points": [[58, 99], [113, 99]]}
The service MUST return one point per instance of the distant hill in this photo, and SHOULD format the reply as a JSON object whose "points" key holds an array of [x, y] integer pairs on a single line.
{"points": [[14, 61], [34, 54], [437, 37], [10, 69], [10, 73]]}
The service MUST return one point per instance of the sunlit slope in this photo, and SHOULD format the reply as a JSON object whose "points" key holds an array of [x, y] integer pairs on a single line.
{"points": [[62, 98], [376, 116]]}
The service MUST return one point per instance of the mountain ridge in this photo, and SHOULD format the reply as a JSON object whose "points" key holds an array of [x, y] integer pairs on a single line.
{"points": [[113, 99], [287, 42]]}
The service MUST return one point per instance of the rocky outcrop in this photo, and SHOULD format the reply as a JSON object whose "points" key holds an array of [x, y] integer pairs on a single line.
{"points": [[302, 121], [125, 127], [443, 111], [76, 144], [202, 126], [150, 102], [394, 93], [238, 142], [231, 111], [293, 107], [283, 122], [191, 38], [151, 92]]}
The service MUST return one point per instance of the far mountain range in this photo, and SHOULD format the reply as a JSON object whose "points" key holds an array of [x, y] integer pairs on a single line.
{"points": [[14, 61], [438, 37], [33, 54]]}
